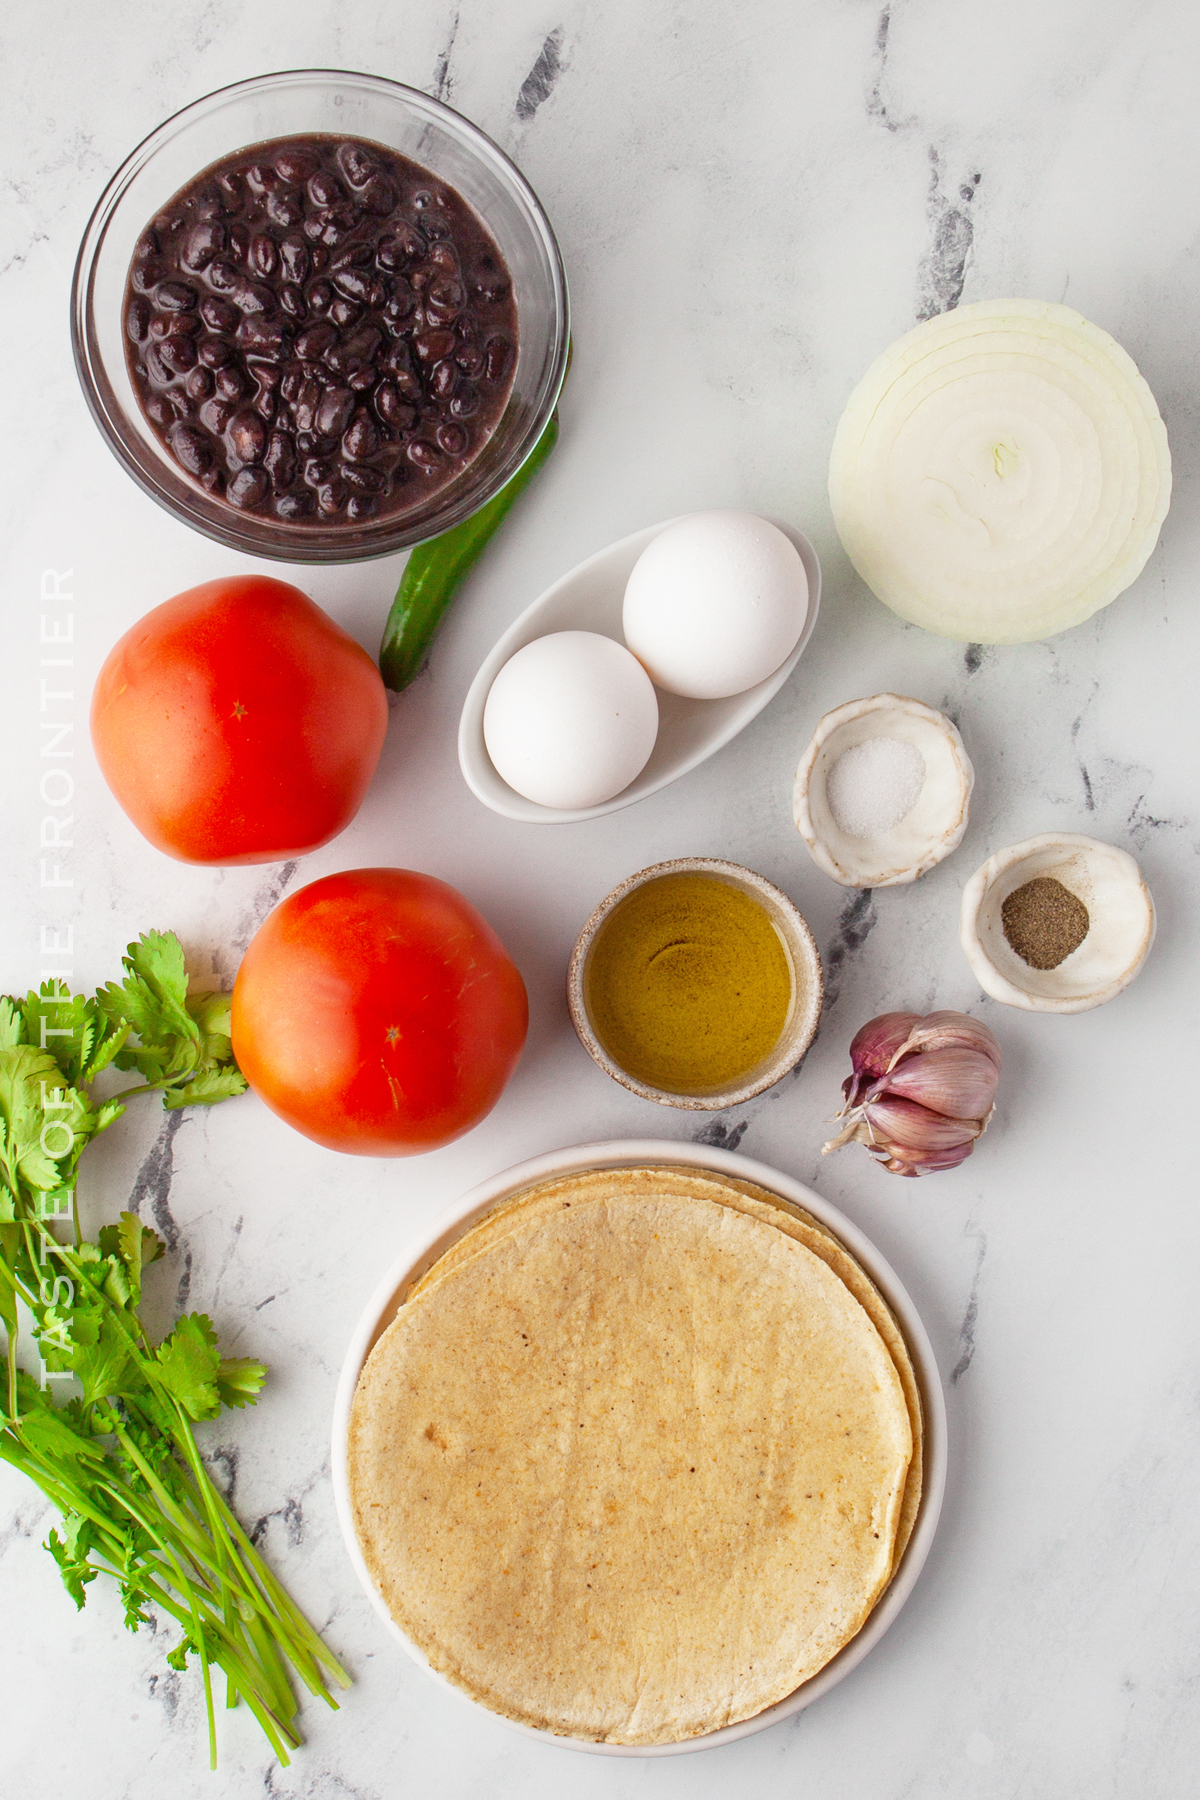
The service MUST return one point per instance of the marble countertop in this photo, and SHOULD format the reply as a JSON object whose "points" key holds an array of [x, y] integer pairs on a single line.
{"points": [[752, 202]]}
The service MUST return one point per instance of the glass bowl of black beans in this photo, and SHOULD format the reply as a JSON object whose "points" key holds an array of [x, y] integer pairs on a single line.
{"points": [[319, 316]]}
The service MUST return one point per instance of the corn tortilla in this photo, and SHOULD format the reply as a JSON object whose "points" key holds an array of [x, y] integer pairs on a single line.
{"points": [[633, 1469], [729, 1190]]}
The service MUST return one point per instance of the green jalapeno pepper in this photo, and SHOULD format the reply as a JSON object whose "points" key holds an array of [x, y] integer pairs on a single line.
{"points": [[436, 570]]}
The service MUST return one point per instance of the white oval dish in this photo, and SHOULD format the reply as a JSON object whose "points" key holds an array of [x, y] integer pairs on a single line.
{"points": [[927, 833], [590, 598], [1120, 933], [434, 1240]]}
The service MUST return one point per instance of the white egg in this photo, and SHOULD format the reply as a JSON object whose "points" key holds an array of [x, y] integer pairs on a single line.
{"points": [[570, 720], [715, 604]]}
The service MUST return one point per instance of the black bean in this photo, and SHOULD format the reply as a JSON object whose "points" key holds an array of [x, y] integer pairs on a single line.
{"points": [[230, 185], [319, 256], [179, 354], [158, 370], [313, 227], [352, 283], [175, 296], [335, 411], [435, 228], [465, 401], [160, 410], [443, 380], [304, 406], [280, 460], [361, 441], [357, 164], [285, 209], [295, 165], [249, 487], [345, 312], [362, 480], [452, 438], [432, 346], [379, 196], [222, 275], [497, 359], [199, 383], [214, 353], [324, 189], [444, 300], [264, 255], [137, 320], [264, 338], [362, 506], [426, 457], [294, 254], [292, 506], [392, 410], [190, 447], [330, 498], [247, 437], [239, 240], [147, 244], [354, 352], [313, 342], [320, 296], [363, 379], [265, 404], [470, 360], [147, 275], [401, 300], [261, 178], [231, 384], [204, 241], [442, 256], [216, 414], [254, 297], [316, 470], [353, 256], [291, 298], [218, 315], [292, 381]]}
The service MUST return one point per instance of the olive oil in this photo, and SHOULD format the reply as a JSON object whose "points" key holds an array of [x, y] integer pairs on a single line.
{"points": [[688, 985]]}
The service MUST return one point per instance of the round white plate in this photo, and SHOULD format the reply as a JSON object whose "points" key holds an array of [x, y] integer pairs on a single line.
{"points": [[628, 1153]]}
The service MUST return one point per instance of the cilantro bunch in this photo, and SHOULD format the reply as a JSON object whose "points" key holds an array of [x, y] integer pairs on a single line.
{"points": [[119, 1459]]}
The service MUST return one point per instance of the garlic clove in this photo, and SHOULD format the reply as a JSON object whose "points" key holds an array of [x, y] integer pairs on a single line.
{"points": [[957, 1084], [945, 1031], [920, 1162], [893, 1120], [874, 1049]]}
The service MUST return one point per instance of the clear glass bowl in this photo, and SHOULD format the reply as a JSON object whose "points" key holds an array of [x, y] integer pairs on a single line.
{"points": [[284, 105]]}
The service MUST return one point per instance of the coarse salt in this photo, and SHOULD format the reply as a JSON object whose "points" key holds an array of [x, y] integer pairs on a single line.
{"points": [[874, 785]]}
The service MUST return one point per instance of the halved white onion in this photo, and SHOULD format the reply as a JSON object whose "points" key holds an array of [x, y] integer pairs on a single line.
{"points": [[1001, 472]]}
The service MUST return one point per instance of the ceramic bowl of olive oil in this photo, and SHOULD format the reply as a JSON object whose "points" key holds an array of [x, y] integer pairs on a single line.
{"points": [[696, 983]]}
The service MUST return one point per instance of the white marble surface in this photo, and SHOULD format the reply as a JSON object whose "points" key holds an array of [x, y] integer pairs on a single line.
{"points": [[752, 202]]}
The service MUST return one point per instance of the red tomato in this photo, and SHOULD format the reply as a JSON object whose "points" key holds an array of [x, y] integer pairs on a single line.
{"points": [[378, 1013], [237, 723]]}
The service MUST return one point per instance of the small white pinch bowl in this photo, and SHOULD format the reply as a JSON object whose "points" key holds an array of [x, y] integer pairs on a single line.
{"points": [[1120, 931], [591, 598], [926, 834], [433, 1240]]}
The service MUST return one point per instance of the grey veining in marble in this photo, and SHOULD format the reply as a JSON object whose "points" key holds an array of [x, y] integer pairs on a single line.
{"points": [[752, 201]]}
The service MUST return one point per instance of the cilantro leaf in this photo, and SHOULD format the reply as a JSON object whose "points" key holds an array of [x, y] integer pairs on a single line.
{"points": [[206, 1089], [239, 1380], [188, 1363]]}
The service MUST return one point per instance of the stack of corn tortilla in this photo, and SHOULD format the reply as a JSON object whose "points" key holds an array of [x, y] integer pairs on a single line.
{"points": [[638, 1455]]}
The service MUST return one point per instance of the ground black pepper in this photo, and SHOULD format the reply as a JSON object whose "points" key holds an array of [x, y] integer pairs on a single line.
{"points": [[1044, 922]]}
